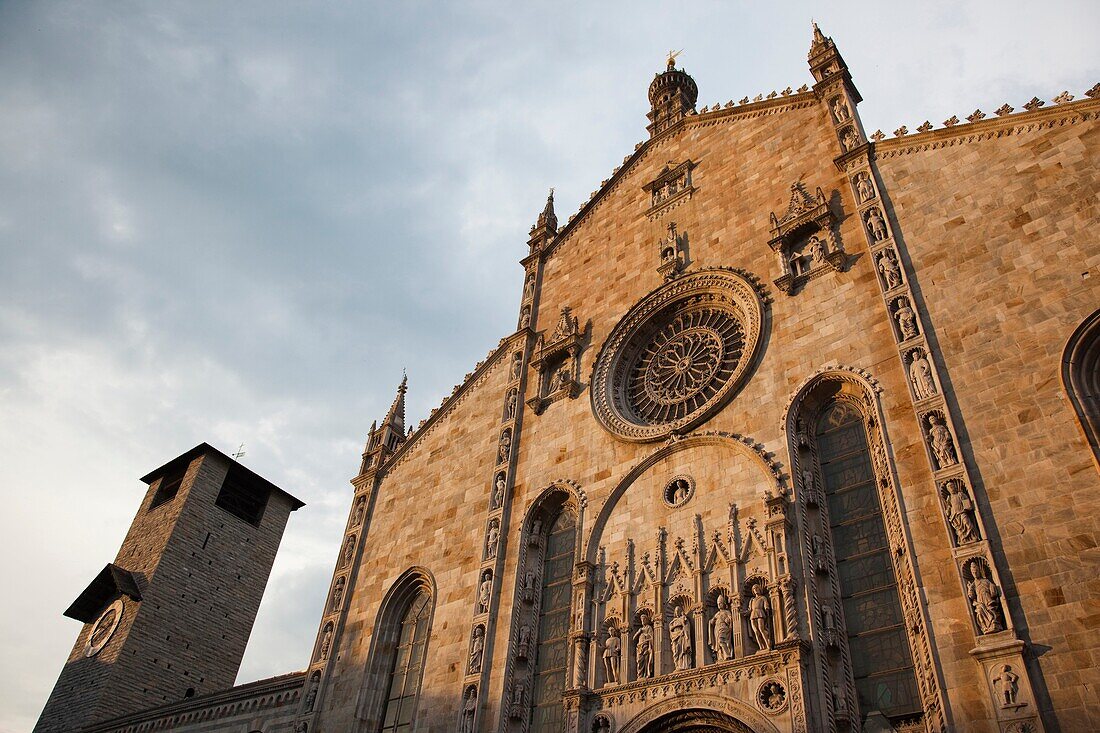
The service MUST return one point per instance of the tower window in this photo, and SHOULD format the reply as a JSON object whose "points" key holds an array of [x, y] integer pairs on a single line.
{"points": [[245, 501], [168, 488]]}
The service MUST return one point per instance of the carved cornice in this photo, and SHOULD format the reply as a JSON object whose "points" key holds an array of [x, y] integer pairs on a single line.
{"points": [[986, 129], [273, 692]]}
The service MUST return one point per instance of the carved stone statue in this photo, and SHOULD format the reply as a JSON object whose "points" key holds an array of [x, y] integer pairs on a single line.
{"points": [[311, 693], [525, 317], [469, 708], [510, 410], [827, 619], [838, 700], [864, 189], [529, 587], [643, 648], [943, 445], [818, 545], [850, 139], [505, 446], [876, 224], [517, 364], [349, 550], [888, 266], [612, 655], [484, 591], [1007, 685], [959, 512], [498, 491], [721, 631], [491, 540], [357, 517], [519, 695], [680, 635], [301, 727], [529, 286], [338, 594], [906, 318], [920, 374], [601, 725], [523, 646], [985, 598], [477, 650], [326, 641], [759, 612], [840, 109], [817, 249]]}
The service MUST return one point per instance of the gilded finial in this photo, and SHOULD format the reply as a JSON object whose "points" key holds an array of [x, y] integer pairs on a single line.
{"points": [[672, 58]]}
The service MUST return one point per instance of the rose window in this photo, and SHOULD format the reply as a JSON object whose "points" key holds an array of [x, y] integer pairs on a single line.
{"points": [[677, 355]]}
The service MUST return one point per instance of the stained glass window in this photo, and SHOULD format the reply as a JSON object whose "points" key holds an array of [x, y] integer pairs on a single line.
{"points": [[881, 659], [553, 647], [408, 664]]}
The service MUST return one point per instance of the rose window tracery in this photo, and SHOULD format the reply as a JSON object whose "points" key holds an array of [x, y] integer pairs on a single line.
{"points": [[677, 355]]}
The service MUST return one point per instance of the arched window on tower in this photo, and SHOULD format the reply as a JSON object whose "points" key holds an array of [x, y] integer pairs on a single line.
{"points": [[552, 654], [1081, 377], [882, 663]]}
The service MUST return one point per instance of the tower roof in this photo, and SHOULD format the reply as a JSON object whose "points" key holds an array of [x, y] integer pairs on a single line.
{"points": [[243, 473]]}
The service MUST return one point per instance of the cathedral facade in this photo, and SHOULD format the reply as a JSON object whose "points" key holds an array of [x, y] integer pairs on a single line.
{"points": [[797, 431]]}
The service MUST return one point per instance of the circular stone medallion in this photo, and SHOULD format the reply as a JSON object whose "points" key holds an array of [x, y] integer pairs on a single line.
{"points": [[677, 356]]}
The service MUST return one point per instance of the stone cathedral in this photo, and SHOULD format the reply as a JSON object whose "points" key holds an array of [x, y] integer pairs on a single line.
{"points": [[797, 431]]}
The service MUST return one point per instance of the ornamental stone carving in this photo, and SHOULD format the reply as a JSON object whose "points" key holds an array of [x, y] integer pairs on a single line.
{"points": [[679, 633], [491, 538], [672, 258], [326, 641], [504, 447], [310, 699], [876, 224], [357, 515], [906, 318], [984, 595], [759, 614], [484, 591], [865, 190], [338, 593], [891, 271], [771, 697], [920, 375], [679, 491], [523, 644], [349, 550], [499, 487], [840, 109], [960, 511], [1006, 684], [477, 649], [939, 438], [677, 356], [469, 710]]}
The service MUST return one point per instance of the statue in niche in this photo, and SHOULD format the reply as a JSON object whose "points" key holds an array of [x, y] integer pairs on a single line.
{"points": [[491, 540], [920, 375], [827, 619], [529, 587], [906, 318], [601, 725], [1007, 685], [808, 482], [357, 517], [759, 612], [864, 189], [484, 591], [850, 139], [326, 641], [888, 266], [525, 317], [680, 636], [498, 491], [510, 408], [876, 224], [840, 109], [817, 249], [519, 695], [721, 631], [349, 550], [818, 546], [643, 648], [505, 446], [612, 654], [959, 511], [311, 694], [469, 708], [943, 446], [529, 286], [523, 647], [477, 650], [338, 594], [517, 364], [985, 598], [838, 700], [536, 529]]}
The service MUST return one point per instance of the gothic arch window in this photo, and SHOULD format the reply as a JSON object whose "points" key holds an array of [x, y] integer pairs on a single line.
{"points": [[1081, 377], [399, 647], [552, 651], [882, 663]]}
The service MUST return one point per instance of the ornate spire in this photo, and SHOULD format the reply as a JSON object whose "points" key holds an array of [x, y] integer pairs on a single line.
{"points": [[672, 95], [827, 65], [546, 228], [396, 416]]}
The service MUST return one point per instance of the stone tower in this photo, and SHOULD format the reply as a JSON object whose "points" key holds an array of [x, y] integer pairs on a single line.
{"points": [[672, 95], [171, 616]]}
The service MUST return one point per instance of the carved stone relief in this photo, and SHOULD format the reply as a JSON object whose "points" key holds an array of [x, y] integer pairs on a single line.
{"points": [[920, 374], [477, 650], [338, 593], [984, 596], [672, 258], [672, 186], [492, 537], [905, 318], [557, 361], [865, 189], [940, 440], [959, 507], [876, 224], [469, 710], [484, 591], [679, 491], [889, 269], [804, 240]]}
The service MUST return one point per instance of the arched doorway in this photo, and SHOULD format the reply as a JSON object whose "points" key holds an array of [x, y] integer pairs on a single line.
{"points": [[696, 721]]}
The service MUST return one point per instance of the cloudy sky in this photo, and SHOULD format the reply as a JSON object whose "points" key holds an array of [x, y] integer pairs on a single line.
{"points": [[238, 222]]}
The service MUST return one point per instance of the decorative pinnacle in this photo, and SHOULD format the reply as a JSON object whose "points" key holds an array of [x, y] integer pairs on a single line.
{"points": [[672, 58]]}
